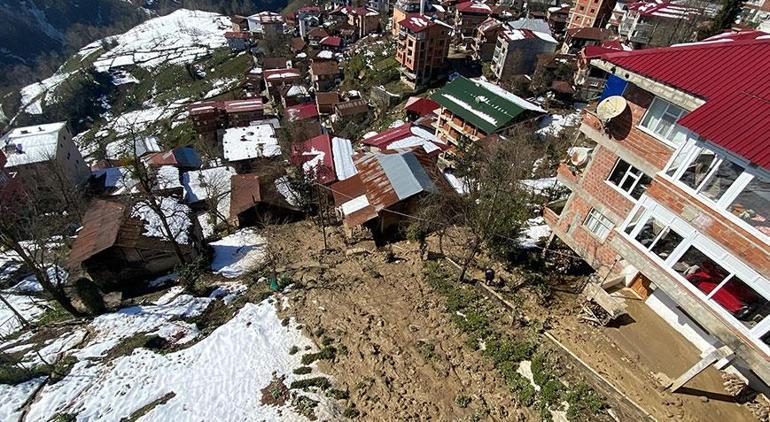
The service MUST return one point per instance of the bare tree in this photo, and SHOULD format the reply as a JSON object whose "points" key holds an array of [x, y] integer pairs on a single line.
{"points": [[147, 183], [216, 186], [38, 235], [495, 209]]}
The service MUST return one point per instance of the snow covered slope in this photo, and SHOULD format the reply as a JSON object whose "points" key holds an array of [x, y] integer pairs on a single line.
{"points": [[177, 38]]}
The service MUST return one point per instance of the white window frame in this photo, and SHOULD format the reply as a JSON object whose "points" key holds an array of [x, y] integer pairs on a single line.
{"points": [[650, 131], [628, 173], [738, 186], [597, 220], [691, 237]]}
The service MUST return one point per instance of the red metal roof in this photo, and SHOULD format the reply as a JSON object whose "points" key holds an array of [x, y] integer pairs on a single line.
{"points": [[387, 137], [474, 7], [662, 9], [278, 75], [733, 79], [244, 193], [309, 150], [236, 106], [331, 41], [101, 225], [416, 22], [241, 35], [301, 112], [744, 35], [421, 106]]}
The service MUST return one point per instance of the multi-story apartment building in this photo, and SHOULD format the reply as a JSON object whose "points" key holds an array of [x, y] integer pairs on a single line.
{"points": [[44, 156], [517, 50], [268, 25], [208, 117], [423, 45], [364, 20], [402, 8], [472, 109], [485, 39], [673, 198], [590, 13], [659, 23], [469, 15], [755, 12]]}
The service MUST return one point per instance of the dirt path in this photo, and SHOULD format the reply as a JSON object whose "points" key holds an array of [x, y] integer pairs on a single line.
{"points": [[405, 359]]}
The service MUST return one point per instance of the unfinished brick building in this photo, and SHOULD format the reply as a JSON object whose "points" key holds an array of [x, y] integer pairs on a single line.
{"points": [[671, 194]]}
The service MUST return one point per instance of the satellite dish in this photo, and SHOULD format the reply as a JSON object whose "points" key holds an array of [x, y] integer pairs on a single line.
{"points": [[578, 156], [611, 107]]}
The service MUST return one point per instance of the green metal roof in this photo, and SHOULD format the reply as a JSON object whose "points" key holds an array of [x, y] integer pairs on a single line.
{"points": [[482, 104]]}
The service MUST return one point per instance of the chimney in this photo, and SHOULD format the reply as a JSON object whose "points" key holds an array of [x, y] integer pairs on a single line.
{"points": [[422, 7]]}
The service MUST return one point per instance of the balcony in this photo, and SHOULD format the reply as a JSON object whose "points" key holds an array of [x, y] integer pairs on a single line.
{"points": [[568, 175], [552, 211]]}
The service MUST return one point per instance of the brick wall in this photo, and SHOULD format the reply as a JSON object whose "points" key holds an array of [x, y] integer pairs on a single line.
{"points": [[594, 251], [595, 182], [591, 189], [738, 241], [623, 129]]}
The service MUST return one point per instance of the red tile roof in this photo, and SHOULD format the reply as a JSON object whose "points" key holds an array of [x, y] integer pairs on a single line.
{"points": [[733, 79]]}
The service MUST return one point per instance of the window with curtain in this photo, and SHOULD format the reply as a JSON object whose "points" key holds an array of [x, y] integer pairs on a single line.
{"points": [[722, 287]]}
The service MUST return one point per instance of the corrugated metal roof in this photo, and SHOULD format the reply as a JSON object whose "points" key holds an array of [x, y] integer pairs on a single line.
{"points": [[244, 193], [309, 150], [734, 79], [406, 175], [101, 225], [481, 104]]}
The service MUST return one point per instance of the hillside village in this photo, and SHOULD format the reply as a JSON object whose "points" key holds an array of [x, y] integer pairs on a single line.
{"points": [[394, 210]]}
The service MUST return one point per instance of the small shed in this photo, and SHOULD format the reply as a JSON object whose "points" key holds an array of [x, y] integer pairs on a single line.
{"points": [[120, 243]]}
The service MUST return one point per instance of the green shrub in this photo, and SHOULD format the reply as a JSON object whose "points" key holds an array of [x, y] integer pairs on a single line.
{"points": [[302, 370], [338, 394], [525, 392], [327, 353], [319, 382], [12, 375], [463, 401], [293, 350], [584, 402]]}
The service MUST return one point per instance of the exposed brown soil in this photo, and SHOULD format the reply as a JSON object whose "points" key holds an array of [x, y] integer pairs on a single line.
{"points": [[399, 354], [632, 353], [401, 357]]}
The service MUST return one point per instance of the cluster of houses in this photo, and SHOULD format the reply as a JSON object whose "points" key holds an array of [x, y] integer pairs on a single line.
{"points": [[669, 179]]}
